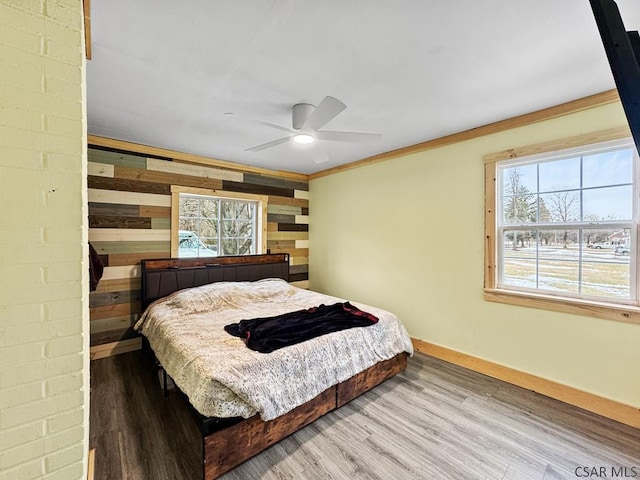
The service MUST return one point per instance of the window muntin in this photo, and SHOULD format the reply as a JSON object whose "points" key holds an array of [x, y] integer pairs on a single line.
{"points": [[566, 223]]}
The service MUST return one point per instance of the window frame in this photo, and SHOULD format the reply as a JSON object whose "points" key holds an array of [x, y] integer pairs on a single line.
{"points": [[261, 212], [623, 310]]}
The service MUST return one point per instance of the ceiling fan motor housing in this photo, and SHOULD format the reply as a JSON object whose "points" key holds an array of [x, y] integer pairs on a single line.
{"points": [[300, 113]]}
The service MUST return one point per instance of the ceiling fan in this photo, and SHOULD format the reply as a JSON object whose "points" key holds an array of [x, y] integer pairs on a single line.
{"points": [[306, 122]]}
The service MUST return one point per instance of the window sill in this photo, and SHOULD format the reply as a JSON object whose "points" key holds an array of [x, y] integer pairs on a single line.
{"points": [[609, 311]]}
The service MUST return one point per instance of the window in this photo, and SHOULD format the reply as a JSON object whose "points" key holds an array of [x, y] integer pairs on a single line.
{"points": [[207, 223], [562, 225]]}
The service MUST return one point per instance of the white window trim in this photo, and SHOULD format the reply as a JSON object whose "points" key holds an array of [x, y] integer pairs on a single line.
{"points": [[613, 310], [261, 212]]}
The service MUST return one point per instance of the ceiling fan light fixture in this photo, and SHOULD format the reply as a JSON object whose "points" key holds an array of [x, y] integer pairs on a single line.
{"points": [[303, 138]]}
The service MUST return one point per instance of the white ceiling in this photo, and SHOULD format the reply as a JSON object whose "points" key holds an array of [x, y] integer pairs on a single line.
{"points": [[169, 73]]}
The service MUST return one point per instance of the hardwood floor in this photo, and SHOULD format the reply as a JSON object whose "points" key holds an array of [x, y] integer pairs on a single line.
{"points": [[433, 421]]}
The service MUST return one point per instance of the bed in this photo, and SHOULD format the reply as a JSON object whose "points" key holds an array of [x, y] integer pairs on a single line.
{"points": [[244, 401]]}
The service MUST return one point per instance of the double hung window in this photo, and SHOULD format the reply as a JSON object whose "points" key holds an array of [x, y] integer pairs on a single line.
{"points": [[565, 223], [215, 223]]}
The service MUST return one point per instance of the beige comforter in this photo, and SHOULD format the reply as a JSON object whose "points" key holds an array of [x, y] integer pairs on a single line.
{"points": [[223, 378]]}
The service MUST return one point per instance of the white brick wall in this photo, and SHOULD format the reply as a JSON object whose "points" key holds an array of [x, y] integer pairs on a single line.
{"points": [[44, 365]]}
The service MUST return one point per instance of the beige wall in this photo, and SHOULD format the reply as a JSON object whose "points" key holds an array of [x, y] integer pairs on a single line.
{"points": [[407, 235], [43, 272]]}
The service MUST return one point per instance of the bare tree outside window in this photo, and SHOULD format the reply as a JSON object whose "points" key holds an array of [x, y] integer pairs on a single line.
{"points": [[216, 226], [564, 207]]}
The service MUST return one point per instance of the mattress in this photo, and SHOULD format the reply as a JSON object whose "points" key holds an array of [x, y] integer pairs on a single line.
{"points": [[223, 378]]}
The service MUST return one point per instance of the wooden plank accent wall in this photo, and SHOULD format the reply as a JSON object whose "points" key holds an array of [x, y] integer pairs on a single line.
{"points": [[129, 220]]}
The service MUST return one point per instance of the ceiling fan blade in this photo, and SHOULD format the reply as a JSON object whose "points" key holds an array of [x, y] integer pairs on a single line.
{"points": [[244, 119], [275, 125], [356, 137], [318, 155], [328, 109], [268, 144]]}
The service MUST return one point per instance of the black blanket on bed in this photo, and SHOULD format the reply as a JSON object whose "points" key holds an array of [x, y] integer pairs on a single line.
{"points": [[271, 333]]}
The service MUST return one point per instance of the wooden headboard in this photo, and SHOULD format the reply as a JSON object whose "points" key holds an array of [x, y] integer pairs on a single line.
{"points": [[164, 276]]}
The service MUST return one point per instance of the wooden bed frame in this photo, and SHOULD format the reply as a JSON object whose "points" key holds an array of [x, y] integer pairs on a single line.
{"points": [[227, 442]]}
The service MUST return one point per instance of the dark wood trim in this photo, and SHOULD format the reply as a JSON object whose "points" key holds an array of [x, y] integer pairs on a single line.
{"points": [[162, 263]]}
